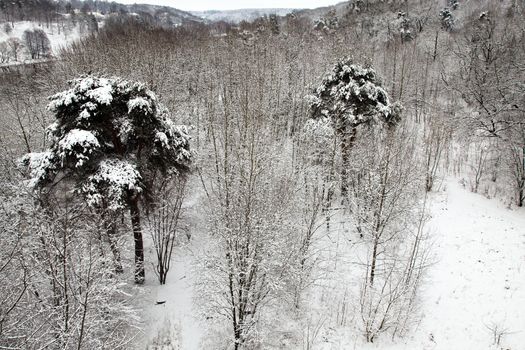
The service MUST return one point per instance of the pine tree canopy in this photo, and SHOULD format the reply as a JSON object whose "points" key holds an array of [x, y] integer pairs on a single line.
{"points": [[352, 95], [111, 137]]}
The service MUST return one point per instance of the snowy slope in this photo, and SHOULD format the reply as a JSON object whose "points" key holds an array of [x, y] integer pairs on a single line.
{"points": [[175, 16], [236, 16], [474, 291], [58, 37], [478, 283]]}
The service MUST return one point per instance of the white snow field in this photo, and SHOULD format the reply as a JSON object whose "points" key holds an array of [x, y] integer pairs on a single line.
{"points": [[173, 324], [58, 37], [477, 286], [474, 291]]}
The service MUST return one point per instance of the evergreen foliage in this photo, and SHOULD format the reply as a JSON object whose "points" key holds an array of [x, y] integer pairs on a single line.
{"points": [[348, 97], [111, 140]]}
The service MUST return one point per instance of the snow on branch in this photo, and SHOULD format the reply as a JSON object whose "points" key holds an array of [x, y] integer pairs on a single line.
{"points": [[113, 181], [79, 144]]}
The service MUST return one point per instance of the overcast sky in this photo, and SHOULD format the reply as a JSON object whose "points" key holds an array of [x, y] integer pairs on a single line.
{"points": [[201, 5]]}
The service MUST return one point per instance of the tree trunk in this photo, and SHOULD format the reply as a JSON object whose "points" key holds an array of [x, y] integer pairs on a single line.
{"points": [[139, 245], [112, 232], [347, 142], [521, 193], [162, 273], [429, 182], [374, 261]]}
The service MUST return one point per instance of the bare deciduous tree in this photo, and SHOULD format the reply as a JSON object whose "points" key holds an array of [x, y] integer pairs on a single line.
{"points": [[164, 222], [386, 196]]}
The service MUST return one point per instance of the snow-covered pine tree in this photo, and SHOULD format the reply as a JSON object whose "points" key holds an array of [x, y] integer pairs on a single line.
{"points": [[447, 19], [348, 97], [110, 141]]}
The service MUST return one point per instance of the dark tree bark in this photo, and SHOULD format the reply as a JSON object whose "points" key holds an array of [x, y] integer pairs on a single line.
{"points": [[347, 136], [112, 232], [374, 261], [521, 192], [139, 244]]}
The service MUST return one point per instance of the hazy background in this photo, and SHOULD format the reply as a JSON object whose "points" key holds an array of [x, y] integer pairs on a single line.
{"points": [[201, 5]]}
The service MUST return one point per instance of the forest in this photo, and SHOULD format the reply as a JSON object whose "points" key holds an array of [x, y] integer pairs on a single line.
{"points": [[291, 165]]}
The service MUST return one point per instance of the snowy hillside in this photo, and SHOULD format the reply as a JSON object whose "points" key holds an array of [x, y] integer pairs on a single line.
{"points": [[314, 14], [476, 288], [236, 16], [168, 15], [59, 35]]}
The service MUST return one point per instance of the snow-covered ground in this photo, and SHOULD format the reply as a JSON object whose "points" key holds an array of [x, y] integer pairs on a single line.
{"points": [[474, 291], [59, 35], [477, 286], [174, 323]]}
